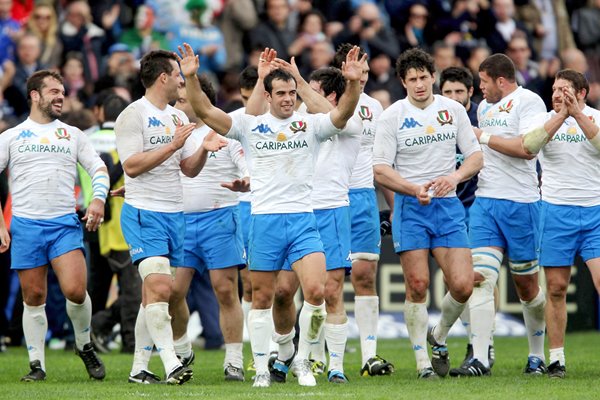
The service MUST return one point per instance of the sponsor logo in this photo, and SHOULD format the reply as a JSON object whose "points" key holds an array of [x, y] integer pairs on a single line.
{"points": [[429, 139], [410, 123], [43, 148], [506, 107], [263, 128], [569, 138], [61, 133], [298, 126], [154, 122], [444, 117], [160, 139], [135, 251], [492, 122], [271, 145], [281, 137], [176, 120], [26, 134], [365, 114], [430, 130], [212, 155]]}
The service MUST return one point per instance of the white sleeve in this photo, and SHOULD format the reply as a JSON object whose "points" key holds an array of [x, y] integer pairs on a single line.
{"points": [[385, 147], [238, 122], [189, 147], [86, 155], [466, 140], [4, 151], [128, 134], [528, 113], [237, 156], [324, 128]]}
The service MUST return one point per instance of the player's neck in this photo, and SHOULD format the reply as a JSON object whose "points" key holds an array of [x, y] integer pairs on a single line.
{"points": [[421, 104], [39, 118], [157, 98], [509, 89]]}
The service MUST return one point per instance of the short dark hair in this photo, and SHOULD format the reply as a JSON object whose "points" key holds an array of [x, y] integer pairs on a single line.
{"points": [[331, 81], [277, 74], [342, 52], [248, 77], [208, 88], [36, 81], [577, 79], [457, 74], [155, 63], [414, 59], [113, 105], [498, 66]]}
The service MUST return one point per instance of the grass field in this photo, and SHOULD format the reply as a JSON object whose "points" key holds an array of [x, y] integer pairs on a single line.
{"points": [[68, 380]]}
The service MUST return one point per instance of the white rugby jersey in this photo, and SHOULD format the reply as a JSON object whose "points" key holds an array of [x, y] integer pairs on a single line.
{"points": [[502, 176], [142, 127], [42, 159], [571, 164], [337, 157], [421, 143], [204, 192], [281, 156], [243, 196], [368, 111]]}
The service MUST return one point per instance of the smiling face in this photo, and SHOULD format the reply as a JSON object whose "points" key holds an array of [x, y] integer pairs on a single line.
{"points": [[419, 86], [173, 81], [49, 99], [282, 98]]}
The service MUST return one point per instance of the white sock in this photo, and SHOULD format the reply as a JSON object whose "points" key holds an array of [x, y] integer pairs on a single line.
{"points": [[336, 336], [35, 327], [260, 327], [317, 350], [558, 354], [366, 313], [285, 344], [143, 344], [273, 346], [482, 310], [451, 310], [81, 318], [416, 318], [465, 319], [533, 314], [234, 355], [183, 346], [158, 322], [246, 307], [310, 322]]}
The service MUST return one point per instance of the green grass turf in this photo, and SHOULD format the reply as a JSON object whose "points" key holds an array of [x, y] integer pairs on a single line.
{"points": [[68, 380]]}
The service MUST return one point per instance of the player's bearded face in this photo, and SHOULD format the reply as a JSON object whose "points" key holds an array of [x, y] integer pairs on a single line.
{"points": [[490, 89], [558, 89], [51, 99]]}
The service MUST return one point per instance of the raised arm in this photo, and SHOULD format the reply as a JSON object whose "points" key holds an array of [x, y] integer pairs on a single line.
{"points": [[352, 70], [257, 104], [315, 103], [212, 116]]}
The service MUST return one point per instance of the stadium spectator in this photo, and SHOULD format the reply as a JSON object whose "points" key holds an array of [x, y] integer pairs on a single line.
{"points": [[9, 30], [142, 37], [415, 31], [528, 73], [274, 31], [236, 20], [43, 23], [26, 63], [310, 32], [367, 30], [498, 25], [382, 76]]}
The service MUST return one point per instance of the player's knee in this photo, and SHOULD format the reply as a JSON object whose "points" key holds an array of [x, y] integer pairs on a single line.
{"points": [[75, 294], [363, 280], [34, 295], [462, 290], [154, 265], [333, 292], [226, 293], [556, 288], [486, 266], [418, 289], [314, 292]]}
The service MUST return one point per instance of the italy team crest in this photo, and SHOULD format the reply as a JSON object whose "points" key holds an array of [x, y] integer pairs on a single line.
{"points": [[298, 126], [176, 120], [365, 114], [506, 107], [62, 133], [444, 117]]}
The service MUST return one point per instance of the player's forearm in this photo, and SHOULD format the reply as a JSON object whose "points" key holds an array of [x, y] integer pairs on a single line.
{"points": [[315, 103], [470, 167], [192, 165], [589, 128], [346, 106], [143, 162], [512, 147], [256, 102], [388, 178]]}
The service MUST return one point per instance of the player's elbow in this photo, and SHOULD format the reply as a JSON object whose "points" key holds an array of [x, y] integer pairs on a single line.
{"points": [[379, 173], [131, 171]]}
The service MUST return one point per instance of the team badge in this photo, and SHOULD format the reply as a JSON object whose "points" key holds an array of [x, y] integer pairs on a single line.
{"points": [[296, 127], [444, 117], [281, 137], [591, 117], [430, 130], [176, 120], [62, 133], [365, 113], [506, 107]]}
